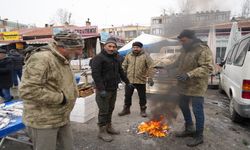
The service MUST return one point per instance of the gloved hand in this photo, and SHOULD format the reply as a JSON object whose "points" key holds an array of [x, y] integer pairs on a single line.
{"points": [[130, 85], [182, 77], [103, 94], [150, 82]]}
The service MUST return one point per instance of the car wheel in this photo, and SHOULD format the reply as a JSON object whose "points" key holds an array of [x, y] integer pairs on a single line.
{"points": [[235, 117]]}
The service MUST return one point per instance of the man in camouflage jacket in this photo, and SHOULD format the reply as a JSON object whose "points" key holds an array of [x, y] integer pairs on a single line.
{"points": [[138, 66], [48, 90], [193, 68]]}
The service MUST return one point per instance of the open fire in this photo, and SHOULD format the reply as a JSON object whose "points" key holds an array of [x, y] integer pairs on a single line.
{"points": [[154, 128]]}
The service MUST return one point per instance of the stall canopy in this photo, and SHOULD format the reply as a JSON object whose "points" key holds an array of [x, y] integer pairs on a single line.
{"points": [[151, 43]]}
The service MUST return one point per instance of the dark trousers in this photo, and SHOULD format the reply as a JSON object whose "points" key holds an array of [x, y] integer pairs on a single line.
{"points": [[5, 93], [197, 105], [106, 106], [141, 89], [17, 73]]}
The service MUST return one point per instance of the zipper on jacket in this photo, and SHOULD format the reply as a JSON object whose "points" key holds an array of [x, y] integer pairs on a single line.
{"points": [[134, 71]]}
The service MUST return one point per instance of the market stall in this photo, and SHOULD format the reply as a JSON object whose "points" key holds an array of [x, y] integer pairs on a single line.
{"points": [[11, 121]]}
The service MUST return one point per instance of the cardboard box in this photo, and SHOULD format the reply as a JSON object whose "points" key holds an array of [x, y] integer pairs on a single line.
{"points": [[85, 109]]}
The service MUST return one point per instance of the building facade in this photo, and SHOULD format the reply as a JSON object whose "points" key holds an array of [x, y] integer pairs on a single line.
{"points": [[222, 32], [127, 33], [170, 25], [6, 25]]}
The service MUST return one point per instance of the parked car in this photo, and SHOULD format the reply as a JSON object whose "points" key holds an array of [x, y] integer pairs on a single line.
{"points": [[235, 79]]}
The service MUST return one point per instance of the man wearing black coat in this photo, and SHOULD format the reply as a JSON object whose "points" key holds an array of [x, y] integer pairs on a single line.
{"points": [[18, 62], [6, 70], [106, 72]]}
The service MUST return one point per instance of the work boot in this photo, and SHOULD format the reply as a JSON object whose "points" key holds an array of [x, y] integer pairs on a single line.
{"points": [[111, 130], [188, 132], [198, 139], [143, 111], [104, 135], [125, 111]]}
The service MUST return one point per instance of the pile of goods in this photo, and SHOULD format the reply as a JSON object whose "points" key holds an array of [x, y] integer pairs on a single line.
{"points": [[9, 113]]}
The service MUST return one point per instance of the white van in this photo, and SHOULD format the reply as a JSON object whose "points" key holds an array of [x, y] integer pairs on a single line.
{"points": [[235, 79]]}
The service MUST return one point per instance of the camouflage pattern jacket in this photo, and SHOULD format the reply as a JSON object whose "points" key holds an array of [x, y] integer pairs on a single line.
{"points": [[197, 63], [47, 78], [138, 67]]}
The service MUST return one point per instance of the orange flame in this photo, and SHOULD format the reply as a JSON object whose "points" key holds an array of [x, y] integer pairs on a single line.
{"points": [[155, 128]]}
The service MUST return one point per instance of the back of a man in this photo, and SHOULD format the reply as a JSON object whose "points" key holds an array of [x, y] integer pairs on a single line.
{"points": [[48, 90], [6, 71], [18, 61]]}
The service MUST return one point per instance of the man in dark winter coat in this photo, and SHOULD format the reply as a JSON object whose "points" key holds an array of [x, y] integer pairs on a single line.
{"points": [[106, 72], [6, 71], [18, 61]]}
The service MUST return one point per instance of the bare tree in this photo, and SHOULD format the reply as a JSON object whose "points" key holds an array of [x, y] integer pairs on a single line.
{"points": [[187, 6], [245, 12], [62, 17]]}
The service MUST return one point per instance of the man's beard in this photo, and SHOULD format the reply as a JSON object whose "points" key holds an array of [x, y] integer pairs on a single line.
{"points": [[187, 46], [112, 52], [136, 52], [72, 56]]}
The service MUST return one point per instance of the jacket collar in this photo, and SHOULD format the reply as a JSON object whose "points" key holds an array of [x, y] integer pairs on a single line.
{"points": [[53, 48], [106, 54], [141, 52]]}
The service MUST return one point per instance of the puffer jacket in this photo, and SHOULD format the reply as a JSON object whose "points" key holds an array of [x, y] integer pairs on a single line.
{"points": [[138, 67], [47, 79]]}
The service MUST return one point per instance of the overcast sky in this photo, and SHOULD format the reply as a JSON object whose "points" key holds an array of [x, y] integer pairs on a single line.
{"points": [[103, 13]]}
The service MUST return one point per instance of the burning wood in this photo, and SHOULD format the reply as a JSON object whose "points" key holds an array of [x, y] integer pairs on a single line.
{"points": [[155, 128]]}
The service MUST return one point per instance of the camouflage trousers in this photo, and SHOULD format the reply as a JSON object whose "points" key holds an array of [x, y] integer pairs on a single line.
{"points": [[106, 106], [52, 139]]}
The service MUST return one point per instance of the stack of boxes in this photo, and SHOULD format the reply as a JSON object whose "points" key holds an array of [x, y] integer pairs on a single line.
{"points": [[85, 109]]}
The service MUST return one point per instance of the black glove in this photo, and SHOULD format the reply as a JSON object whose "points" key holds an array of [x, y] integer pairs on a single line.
{"points": [[64, 100], [150, 82], [103, 94], [130, 85], [182, 77]]}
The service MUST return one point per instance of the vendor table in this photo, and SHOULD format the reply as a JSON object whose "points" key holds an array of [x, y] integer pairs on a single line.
{"points": [[14, 126]]}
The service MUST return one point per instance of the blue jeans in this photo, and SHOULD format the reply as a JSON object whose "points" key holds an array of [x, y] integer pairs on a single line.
{"points": [[5, 93], [17, 73], [197, 104]]}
